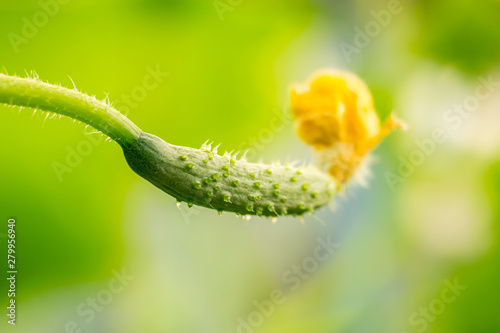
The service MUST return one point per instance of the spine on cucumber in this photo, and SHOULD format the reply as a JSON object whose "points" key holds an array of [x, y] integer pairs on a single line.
{"points": [[204, 178]]}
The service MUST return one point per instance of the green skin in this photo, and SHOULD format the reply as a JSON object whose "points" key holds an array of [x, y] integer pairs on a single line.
{"points": [[196, 176]]}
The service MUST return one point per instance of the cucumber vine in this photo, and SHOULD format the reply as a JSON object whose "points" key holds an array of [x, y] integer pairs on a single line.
{"points": [[334, 114], [195, 176]]}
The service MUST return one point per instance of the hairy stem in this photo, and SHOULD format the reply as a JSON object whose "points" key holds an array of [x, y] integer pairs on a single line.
{"points": [[68, 102]]}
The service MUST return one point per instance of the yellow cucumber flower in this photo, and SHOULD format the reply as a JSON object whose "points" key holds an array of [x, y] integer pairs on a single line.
{"points": [[334, 113]]}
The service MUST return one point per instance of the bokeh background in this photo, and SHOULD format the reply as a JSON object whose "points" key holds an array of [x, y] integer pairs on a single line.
{"points": [[229, 65]]}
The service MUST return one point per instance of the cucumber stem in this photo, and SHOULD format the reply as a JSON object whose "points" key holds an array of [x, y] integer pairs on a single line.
{"points": [[36, 94]]}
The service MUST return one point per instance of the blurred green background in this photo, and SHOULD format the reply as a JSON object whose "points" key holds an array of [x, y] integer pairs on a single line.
{"points": [[229, 65]]}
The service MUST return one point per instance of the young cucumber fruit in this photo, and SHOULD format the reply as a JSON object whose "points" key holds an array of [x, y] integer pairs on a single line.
{"points": [[204, 178]]}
